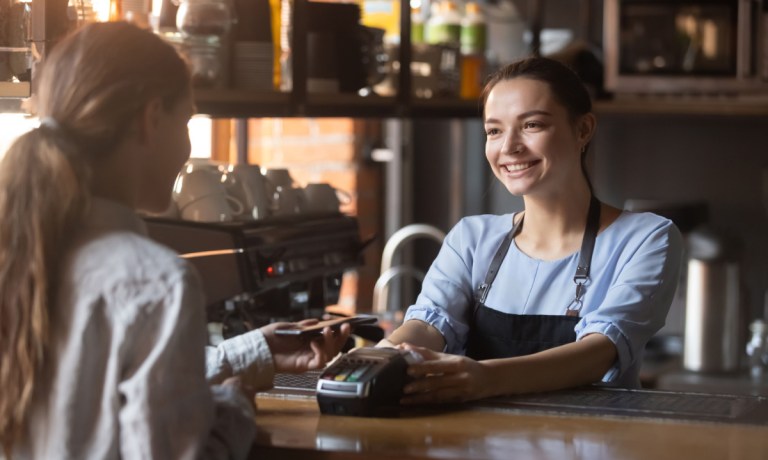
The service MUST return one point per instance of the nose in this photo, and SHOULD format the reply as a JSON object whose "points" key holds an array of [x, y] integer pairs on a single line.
{"points": [[511, 144]]}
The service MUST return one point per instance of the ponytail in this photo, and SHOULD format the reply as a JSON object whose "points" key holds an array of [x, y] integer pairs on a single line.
{"points": [[43, 193], [91, 87]]}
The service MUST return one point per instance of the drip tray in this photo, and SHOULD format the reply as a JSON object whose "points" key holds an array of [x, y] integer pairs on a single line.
{"points": [[597, 401]]}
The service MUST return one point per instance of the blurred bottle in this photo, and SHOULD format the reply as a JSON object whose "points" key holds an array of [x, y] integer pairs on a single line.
{"points": [[757, 348], [275, 16], [444, 24], [286, 32], [204, 27], [473, 45], [506, 32], [417, 26]]}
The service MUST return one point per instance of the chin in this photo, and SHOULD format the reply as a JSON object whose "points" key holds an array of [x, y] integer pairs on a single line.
{"points": [[516, 189]]}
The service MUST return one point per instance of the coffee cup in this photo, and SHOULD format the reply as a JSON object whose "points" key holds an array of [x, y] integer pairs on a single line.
{"points": [[323, 198], [279, 177], [249, 186], [288, 201], [195, 184], [218, 207]]}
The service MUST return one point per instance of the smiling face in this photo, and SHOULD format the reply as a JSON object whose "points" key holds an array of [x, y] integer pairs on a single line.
{"points": [[532, 144]]}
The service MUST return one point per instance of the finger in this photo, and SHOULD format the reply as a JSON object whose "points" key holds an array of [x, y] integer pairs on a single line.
{"points": [[426, 368], [308, 322], [425, 353], [318, 356]]}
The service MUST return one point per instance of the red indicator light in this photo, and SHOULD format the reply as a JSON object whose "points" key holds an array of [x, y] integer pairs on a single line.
{"points": [[270, 270]]}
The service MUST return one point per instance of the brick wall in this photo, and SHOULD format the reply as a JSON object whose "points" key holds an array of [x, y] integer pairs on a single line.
{"points": [[331, 150]]}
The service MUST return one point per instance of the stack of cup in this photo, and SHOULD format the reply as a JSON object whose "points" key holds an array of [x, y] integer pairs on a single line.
{"points": [[202, 197], [287, 198], [248, 186]]}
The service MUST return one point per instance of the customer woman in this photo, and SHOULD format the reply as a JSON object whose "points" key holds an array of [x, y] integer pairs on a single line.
{"points": [[102, 331], [566, 292]]}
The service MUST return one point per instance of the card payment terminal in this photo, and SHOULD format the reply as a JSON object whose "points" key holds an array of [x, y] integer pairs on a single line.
{"points": [[365, 382]]}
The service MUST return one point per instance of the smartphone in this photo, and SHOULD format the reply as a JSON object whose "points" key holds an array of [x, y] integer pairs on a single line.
{"points": [[317, 329]]}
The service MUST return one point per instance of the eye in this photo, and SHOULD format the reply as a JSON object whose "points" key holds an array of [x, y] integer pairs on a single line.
{"points": [[492, 131], [532, 125]]}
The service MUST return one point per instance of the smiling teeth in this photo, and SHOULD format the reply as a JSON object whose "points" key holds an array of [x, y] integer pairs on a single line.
{"points": [[518, 166]]}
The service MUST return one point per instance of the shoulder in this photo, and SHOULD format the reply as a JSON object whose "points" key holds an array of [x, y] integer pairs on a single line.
{"points": [[128, 268], [131, 252], [478, 234], [482, 226], [643, 229], [643, 223]]}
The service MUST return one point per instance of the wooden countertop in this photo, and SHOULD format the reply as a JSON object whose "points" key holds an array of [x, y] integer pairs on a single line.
{"points": [[292, 427]]}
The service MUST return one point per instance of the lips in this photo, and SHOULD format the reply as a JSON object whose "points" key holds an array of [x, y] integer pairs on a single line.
{"points": [[519, 166]]}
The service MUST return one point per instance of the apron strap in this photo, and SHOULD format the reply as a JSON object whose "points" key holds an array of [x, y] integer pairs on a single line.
{"points": [[588, 241], [585, 257], [582, 272], [498, 258]]}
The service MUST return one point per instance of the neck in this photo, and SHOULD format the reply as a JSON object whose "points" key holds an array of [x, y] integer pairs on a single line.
{"points": [[554, 225], [115, 177]]}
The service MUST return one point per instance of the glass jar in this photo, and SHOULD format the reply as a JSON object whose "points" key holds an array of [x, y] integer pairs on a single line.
{"points": [[204, 19]]}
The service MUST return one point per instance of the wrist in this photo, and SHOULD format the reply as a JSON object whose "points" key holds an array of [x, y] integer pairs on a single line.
{"points": [[384, 343]]}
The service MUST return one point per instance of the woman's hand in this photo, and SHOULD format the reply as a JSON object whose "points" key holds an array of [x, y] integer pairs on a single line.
{"points": [[445, 378], [300, 354]]}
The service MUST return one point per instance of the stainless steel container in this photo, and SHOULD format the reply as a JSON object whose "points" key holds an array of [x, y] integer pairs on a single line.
{"points": [[713, 313]]}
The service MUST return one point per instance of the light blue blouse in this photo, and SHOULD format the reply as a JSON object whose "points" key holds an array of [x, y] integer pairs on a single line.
{"points": [[634, 274]]}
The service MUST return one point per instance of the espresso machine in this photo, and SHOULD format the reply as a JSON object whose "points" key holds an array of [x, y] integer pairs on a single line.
{"points": [[283, 268]]}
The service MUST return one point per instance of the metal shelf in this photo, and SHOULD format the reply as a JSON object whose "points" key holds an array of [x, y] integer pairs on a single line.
{"points": [[227, 103]]}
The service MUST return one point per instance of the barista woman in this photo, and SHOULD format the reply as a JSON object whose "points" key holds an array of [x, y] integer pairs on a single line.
{"points": [[102, 331], [566, 292]]}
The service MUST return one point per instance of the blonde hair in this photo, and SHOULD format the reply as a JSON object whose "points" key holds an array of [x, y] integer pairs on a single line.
{"points": [[93, 85]]}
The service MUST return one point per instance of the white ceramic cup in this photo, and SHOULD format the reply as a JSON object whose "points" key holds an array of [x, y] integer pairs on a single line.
{"points": [[195, 184], [218, 207], [201, 195], [323, 198], [250, 187]]}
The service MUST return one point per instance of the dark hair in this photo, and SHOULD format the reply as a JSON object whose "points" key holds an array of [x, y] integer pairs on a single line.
{"points": [[566, 86]]}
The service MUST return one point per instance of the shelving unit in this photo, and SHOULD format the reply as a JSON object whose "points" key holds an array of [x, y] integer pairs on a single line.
{"points": [[298, 103], [234, 103]]}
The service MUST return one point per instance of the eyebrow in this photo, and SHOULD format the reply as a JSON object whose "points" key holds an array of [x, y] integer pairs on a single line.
{"points": [[523, 115]]}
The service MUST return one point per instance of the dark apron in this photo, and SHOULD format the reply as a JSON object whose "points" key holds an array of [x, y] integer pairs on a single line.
{"points": [[494, 334]]}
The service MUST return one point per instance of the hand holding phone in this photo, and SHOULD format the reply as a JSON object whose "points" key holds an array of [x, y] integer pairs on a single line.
{"points": [[317, 328]]}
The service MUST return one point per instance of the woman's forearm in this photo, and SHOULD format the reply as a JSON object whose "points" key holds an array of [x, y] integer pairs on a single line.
{"points": [[574, 364]]}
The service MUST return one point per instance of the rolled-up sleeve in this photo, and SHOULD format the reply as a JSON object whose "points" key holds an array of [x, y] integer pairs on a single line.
{"points": [[446, 296], [246, 355], [635, 306]]}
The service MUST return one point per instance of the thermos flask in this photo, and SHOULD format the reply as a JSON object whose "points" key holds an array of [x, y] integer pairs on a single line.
{"points": [[713, 316]]}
